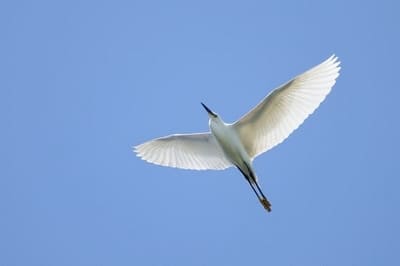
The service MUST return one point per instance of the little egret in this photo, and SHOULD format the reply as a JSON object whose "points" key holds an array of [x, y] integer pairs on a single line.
{"points": [[237, 144]]}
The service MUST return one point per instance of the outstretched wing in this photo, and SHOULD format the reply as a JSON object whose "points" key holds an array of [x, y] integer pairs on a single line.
{"points": [[286, 108], [187, 151]]}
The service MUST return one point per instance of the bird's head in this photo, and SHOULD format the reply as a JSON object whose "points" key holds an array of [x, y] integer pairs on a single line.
{"points": [[210, 113]]}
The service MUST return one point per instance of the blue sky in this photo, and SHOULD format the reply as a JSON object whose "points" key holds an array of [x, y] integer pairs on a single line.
{"points": [[84, 81]]}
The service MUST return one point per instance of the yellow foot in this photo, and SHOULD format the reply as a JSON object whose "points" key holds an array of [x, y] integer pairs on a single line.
{"points": [[266, 204]]}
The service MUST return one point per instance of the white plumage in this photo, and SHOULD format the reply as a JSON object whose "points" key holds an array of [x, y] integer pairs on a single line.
{"points": [[187, 151], [265, 126], [286, 108]]}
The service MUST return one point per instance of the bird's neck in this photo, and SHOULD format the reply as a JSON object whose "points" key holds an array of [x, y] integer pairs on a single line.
{"points": [[217, 126]]}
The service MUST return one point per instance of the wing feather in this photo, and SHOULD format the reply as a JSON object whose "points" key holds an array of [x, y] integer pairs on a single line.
{"points": [[187, 151], [286, 108]]}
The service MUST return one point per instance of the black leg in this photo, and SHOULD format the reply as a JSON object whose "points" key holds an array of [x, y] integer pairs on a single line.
{"points": [[259, 194]]}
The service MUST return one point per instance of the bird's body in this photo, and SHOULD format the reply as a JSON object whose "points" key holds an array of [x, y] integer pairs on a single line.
{"points": [[228, 139], [237, 144]]}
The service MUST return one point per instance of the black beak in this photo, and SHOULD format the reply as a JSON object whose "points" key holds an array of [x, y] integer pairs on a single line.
{"points": [[209, 110]]}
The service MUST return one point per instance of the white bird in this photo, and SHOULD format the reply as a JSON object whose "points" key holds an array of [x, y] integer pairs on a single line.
{"points": [[237, 144]]}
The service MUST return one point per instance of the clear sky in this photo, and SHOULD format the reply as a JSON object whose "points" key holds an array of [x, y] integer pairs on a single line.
{"points": [[83, 81]]}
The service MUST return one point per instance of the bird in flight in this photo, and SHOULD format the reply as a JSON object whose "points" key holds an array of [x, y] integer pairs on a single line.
{"points": [[268, 124]]}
